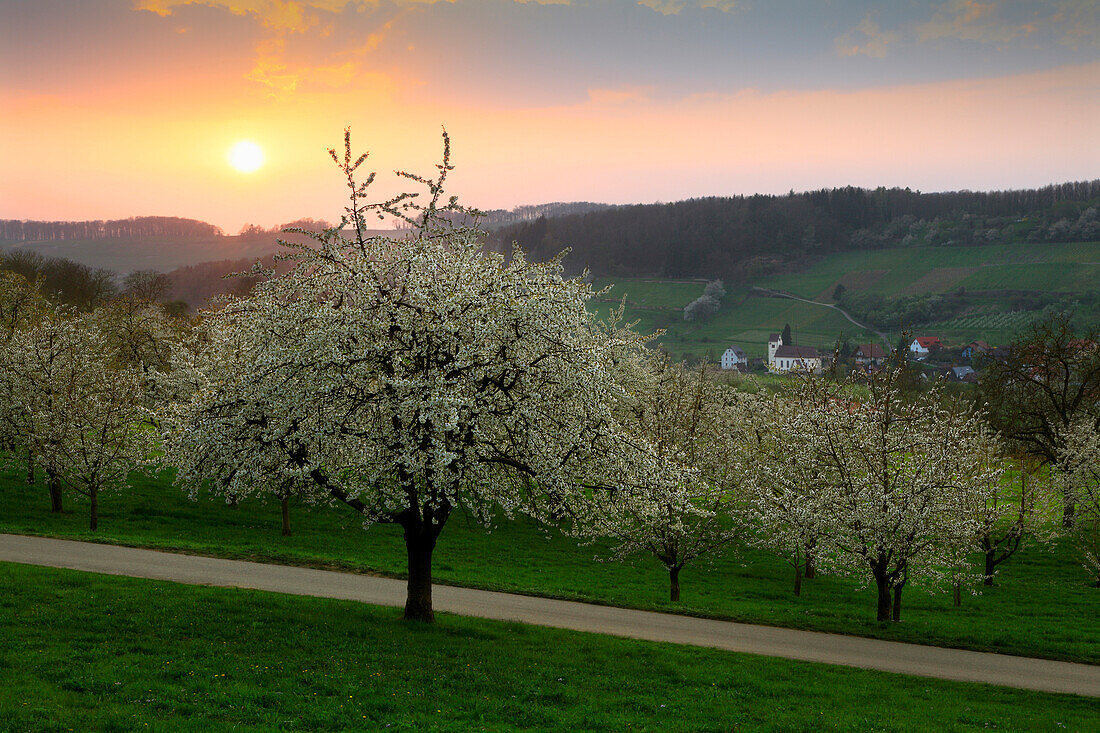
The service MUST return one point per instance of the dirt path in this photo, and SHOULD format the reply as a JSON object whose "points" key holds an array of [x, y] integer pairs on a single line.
{"points": [[765, 292], [951, 664]]}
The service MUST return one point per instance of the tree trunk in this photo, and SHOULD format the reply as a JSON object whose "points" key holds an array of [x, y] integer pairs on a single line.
{"points": [[811, 571], [419, 544], [990, 565], [798, 579], [896, 616], [883, 598], [94, 512], [1067, 514], [674, 583], [286, 516], [956, 595], [30, 468], [54, 486]]}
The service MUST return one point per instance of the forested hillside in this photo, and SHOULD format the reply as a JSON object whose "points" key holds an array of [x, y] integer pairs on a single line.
{"points": [[151, 243], [744, 237], [18, 230]]}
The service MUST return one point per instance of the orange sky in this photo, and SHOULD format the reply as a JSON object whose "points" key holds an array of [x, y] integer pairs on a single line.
{"points": [[134, 116]]}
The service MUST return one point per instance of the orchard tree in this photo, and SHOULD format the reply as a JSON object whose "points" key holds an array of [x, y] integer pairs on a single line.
{"points": [[1050, 382], [77, 409], [1007, 511], [404, 377], [21, 306], [148, 286], [676, 502], [140, 333], [1077, 473], [787, 483], [899, 471]]}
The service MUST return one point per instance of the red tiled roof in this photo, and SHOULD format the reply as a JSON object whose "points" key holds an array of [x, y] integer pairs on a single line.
{"points": [[870, 351]]}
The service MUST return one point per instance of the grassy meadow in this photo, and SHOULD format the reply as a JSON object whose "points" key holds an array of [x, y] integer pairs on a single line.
{"points": [[746, 320], [914, 270], [96, 652], [1042, 604]]}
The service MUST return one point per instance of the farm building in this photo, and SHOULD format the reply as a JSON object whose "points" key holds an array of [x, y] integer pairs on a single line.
{"points": [[976, 348], [735, 358], [870, 355], [962, 374]]}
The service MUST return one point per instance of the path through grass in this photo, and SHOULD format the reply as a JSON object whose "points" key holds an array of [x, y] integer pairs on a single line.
{"points": [[1041, 606], [95, 652]]}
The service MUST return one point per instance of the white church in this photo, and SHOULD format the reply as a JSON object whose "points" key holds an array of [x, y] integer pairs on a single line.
{"points": [[785, 358]]}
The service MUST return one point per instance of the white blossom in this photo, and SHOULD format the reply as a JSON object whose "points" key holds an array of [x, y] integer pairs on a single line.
{"points": [[405, 378]]}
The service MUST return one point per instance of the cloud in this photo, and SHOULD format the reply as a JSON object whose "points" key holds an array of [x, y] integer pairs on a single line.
{"points": [[1069, 22], [1078, 22], [969, 20], [293, 16], [673, 7], [288, 59], [866, 38]]}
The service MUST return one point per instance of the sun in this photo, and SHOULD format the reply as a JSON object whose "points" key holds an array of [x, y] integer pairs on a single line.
{"points": [[246, 156]]}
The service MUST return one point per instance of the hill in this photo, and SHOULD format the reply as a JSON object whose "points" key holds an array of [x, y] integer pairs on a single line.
{"points": [[160, 253], [743, 238], [990, 292]]}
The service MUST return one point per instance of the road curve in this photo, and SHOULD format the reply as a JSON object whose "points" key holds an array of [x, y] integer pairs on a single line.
{"points": [[768, 293], [926, 661]]}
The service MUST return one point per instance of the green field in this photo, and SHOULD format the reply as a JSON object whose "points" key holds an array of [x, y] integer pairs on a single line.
{"points": [[746, 321], [96, 652], [902, 271], [1042, 604]]}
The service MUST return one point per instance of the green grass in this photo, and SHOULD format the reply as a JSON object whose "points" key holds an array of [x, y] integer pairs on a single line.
{"points": [[1039, 267], [1042, 604], [93, 652], [643, 293]]}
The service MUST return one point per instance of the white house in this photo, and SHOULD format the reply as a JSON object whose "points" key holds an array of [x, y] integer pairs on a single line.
{"points": [[795, 358], [923, 345], [735, 358]]}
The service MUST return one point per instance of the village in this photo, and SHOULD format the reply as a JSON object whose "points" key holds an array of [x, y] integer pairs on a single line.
{"points": [[934, 359]]}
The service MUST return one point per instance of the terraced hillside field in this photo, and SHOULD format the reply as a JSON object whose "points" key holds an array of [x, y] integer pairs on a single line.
{"points": [[991, 273], [913, 270]]}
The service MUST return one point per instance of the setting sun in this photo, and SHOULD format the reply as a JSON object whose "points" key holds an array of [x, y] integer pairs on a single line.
{"points": [[246, 156]]}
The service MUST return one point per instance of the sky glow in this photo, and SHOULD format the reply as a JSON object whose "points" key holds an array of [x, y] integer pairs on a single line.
{"points": [[116, 108]]}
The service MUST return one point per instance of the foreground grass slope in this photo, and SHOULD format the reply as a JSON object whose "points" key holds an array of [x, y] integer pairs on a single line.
{"points": [[94, 652], [1042, 604]]}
